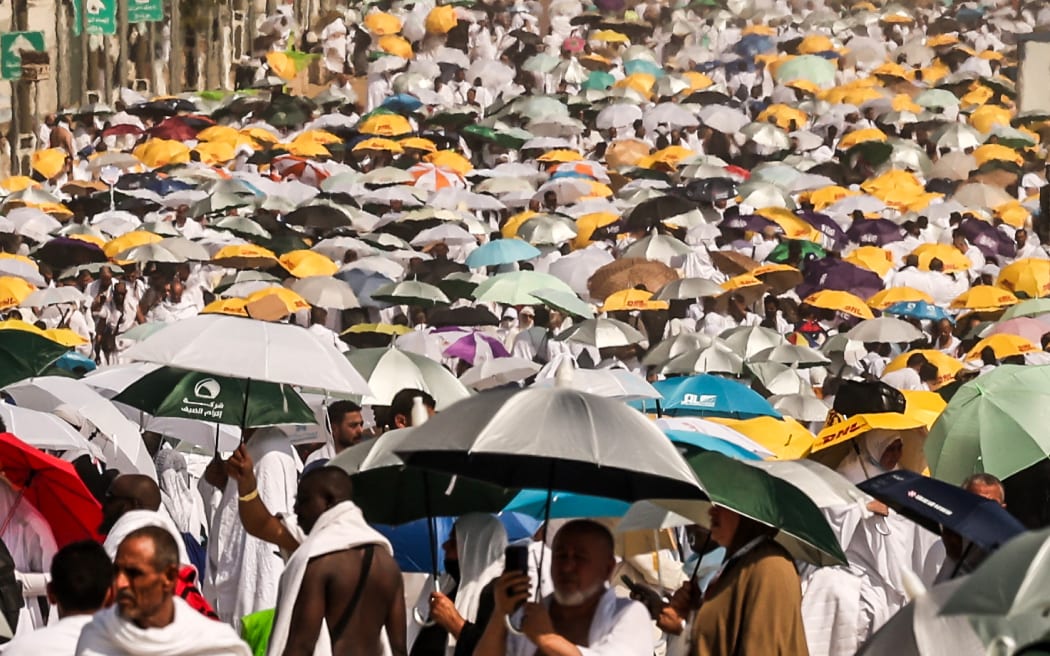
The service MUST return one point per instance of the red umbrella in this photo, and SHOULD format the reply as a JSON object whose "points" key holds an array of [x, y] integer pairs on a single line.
{"points": [[54, 489], [121, 129], [175, 128], [573, 44]]}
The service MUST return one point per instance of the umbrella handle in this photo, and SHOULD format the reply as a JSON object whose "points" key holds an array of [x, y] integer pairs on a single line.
{"points": [[510, 626], [417, 616]]}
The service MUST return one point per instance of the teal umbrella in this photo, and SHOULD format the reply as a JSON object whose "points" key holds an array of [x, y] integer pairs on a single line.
{"points": [[780, 253], [24, 354], [996, 423], [598, 81], [170, 392], [816, 69]]}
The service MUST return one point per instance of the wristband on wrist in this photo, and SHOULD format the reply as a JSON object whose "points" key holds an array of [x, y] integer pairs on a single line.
{"points": [[251, 495]]}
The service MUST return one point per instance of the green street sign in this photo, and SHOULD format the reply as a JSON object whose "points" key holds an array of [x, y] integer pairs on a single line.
{"points": [[100, 16], [11, 46], [145, 11]]}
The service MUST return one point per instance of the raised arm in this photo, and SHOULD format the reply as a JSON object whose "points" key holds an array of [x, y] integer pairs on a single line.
{"points": [[258, 521], [510, 590]]}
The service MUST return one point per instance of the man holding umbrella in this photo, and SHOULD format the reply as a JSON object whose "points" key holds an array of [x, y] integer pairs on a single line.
{"points": [[584, 615]]}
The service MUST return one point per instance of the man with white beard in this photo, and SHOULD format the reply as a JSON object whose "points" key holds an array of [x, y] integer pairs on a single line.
{"points": [[585, 610]]}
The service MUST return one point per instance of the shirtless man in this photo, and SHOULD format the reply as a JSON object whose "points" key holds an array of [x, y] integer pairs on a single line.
{"points": [[331, 580]]}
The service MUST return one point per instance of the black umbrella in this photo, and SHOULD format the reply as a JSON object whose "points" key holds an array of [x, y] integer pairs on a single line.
{"points": [[708, 190], [324, 217], [647, 214], [462, 316], [935, 504]]}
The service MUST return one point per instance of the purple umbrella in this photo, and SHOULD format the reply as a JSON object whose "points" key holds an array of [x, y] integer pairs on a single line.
{"points": [[839, 275], [475, 347], [987, 238], [832, 231], [752, 222], [874, 232]]}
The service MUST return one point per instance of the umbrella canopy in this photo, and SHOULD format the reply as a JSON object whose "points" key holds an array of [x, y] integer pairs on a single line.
{"points": [[256, 350], [411, 292], [765, 498], [25, 354], [602, 333], [711, 396], [515, 288], [553, 439], [886, 330], [938, 505], [169, 392], [54, 488], [992, 424], [389, 370], [501, 251]]}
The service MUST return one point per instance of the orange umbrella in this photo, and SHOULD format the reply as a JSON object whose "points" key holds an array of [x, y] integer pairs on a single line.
{"points": [[231, 306], [385, 125], [1030, 276], [1003, 345], [13, 291], [888, 297], [129, 240], [245, 256], [560, 155], [382, 24], [872, 258], [632, 299], [441, 19], [947, 366], [984, 298], [839, 301], [396, 45], [950, 257], [306, 263]]}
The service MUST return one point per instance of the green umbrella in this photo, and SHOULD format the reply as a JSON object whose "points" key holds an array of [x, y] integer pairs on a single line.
{"points": [[516, 287], [411, 292], [566, 302], [598, 81], [24, 355], [389, 492], [780, 253], [498, 137], [170, 392], [995, 423], [1032, 308], [816, 69], [768, 499]]}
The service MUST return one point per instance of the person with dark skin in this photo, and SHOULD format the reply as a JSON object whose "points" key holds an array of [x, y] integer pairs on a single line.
{"points": [[128, 492], [330, 582]]}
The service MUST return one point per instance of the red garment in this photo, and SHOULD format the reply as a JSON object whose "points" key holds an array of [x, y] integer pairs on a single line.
{"points": [[186, 587]]}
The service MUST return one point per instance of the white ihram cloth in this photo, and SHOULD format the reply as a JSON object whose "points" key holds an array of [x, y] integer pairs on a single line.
{"points": [[243, 571], [29, 538], [339, 528], [59, 639], [133, 520], [190, 634], [481, 542]]}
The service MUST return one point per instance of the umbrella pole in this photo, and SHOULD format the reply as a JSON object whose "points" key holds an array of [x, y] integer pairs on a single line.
{"points": [[18, 500], [546, 528], [244, 413], [432, 531], [700, 556]]}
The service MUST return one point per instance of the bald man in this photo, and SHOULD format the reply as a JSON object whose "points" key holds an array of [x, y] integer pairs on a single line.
{"points": [[341, 588]]}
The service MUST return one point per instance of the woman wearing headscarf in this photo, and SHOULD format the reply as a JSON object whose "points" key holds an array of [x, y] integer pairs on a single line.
{"points": [[874, 453], [183, 503], [753, 605], [474, 554]]}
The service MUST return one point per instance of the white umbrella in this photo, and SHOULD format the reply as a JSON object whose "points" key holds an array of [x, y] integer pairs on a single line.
{"points": [[547, 230], [803, 407], [688, 288], [336, 247], [256, 350], [601, 333], [498, 372], [389, 370], [723, 119], [576, 268], [675, 346], [33, 223], [448, 233], [44, 430], [778, 378], [713, 429], [53, 296], [98, 418], [185, 248], [662, 248], [887, 330], [618, 115], [670, 114], [747, 341], [16, 268], [715, 359], [149, 253], [613, 383], [792, 354], [325, 292]]}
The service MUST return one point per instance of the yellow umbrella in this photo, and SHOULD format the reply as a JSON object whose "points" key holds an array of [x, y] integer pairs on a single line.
{"points": [[20, 258], [161, 152], [861, 95], [49, 162], [220, 133], [91, 239], [888, 297], [510, 228], [814, 43], [892, 69], [793, 226], [231, 306], [872, 258], [308, 149], [1013, 213], [950, 256], [215, 152], [380, 328], [825, 196], [318, 136], [996, 153], [274, 304], [759, 28], [560, 155], [861, 136], [947, 366], [742, 281], [609, 36], [640, 82], [418, 143], [282, 65], [984, 298], [63, 336], [923, 406], [786, 438], [245, 256], [893, 184], [976, 96], [934, 72], [588, 223], [672, 156], [804, 85], [382, 24], [129, 240], [18, 183], [626, 152], [450, 160], [697, 81], [784, 116], [379, 144], [13, 291], [441, 19], [902, 102], [305, 263], [939, 40], [839, 301], [632, 299], [834, 441], [396, 45], [1003, 345], [386, 125], [1030, 276], [258, 135], [986, 117]]}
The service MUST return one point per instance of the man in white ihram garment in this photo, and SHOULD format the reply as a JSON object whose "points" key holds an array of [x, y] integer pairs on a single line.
{"points": [[148, 618], [29, 538], [243, 572]]}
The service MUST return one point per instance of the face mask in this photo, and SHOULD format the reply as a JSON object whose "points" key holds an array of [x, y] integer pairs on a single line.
{"points": [[452, 569]]}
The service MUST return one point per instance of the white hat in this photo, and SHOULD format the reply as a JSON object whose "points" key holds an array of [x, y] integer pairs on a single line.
{"points": [[510, 313]]}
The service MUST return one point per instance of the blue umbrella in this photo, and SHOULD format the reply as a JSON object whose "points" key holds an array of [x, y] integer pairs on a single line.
{"points": [[402, 103], [501, 251], [565, 505], [753, 44], [76, 363], [933, 504], [698, 441], [919, 310], [643, 66], [710, 396], [364, 283], [519, 525], [411, 542]]}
